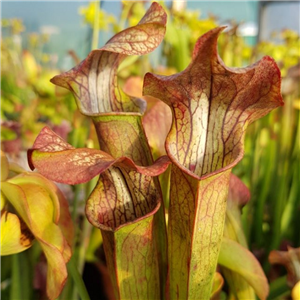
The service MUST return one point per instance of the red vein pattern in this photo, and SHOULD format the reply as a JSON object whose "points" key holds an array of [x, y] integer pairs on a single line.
{"points": [[211, 106], [124, 196], [59, 161], [126, 203], [94, 81], [138, 193], [196, 220], [137, 276]]}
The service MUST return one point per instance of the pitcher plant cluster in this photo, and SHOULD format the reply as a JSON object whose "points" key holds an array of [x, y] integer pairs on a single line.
{"points": [[156, 247]]}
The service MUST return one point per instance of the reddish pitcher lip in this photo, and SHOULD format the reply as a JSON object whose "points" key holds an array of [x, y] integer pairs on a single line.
{"points": [[208, 90]]}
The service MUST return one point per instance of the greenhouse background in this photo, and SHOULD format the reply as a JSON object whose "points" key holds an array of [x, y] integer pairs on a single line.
{"points": [[61, 19], [42, 39]]}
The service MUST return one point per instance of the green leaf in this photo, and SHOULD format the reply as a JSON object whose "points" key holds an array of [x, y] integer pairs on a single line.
{"points": [[195, 229], [131, 252], [238, 196], [236, 258], [218, 283]]}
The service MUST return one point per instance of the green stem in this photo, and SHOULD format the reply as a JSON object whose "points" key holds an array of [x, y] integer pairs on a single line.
{"points": [[95, 40], [27, 273], [80, 252], [87, 227], [264, 190], [291, 205], [87, 230], [80, 286], [68, 290], [16, 286], [279, 206], [22, 275], [278, 288]]}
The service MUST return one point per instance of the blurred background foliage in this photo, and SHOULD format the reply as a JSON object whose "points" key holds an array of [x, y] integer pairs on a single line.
{"points": [[270, 167]]}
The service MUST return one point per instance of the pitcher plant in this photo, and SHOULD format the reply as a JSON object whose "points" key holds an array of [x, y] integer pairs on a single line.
{"points": [[211, 106]]}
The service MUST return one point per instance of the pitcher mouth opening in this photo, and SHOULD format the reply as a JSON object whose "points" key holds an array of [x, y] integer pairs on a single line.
{"points": [[229, 166]]}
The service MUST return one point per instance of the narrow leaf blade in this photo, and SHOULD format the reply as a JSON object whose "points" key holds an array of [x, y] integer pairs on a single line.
{"points": [[240, 260]]}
